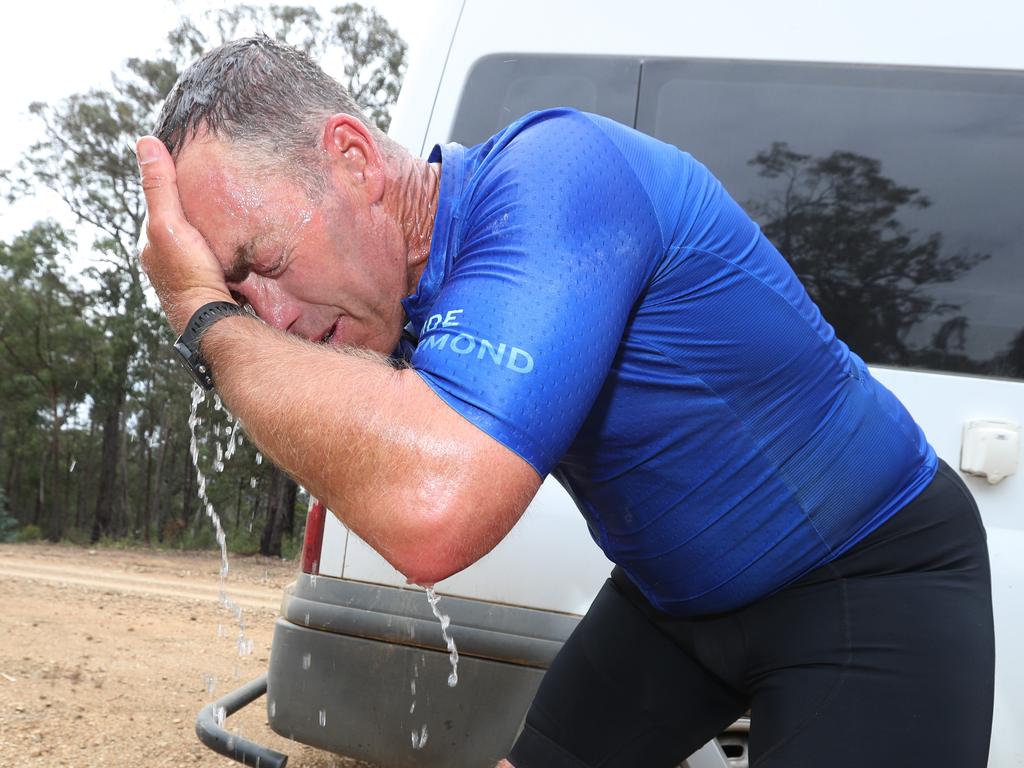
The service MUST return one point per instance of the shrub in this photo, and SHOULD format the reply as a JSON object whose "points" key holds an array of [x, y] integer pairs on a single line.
{"points": [[30, 533]]}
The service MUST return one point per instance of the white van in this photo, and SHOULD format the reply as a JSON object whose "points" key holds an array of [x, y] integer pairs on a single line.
{"points": [[921, 101]]}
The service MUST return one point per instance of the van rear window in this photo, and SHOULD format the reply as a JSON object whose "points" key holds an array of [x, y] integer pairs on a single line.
{"points": [[895, 192], [503, 87]]}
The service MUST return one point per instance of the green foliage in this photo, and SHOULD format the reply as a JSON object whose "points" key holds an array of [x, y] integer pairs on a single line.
{"points": [[291, 548], [242, 541], [355, 44], [29, 533], [8, 523], [94, 444]]}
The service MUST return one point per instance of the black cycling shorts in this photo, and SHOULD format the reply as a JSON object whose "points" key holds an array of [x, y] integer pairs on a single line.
{"points": [[883, 658]]}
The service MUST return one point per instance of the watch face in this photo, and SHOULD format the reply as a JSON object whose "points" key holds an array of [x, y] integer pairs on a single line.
{"points": [[190, 361]]}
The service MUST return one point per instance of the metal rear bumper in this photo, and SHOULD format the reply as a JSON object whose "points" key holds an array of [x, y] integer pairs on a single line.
{"points": [[358, 668]]}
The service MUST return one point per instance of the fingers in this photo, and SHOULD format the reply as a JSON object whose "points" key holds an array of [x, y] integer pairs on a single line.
{"points": [[159, 182]]}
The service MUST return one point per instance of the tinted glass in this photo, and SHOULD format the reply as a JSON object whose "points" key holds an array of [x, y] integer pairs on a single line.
{"points": [[896, 194], [504, 87]]}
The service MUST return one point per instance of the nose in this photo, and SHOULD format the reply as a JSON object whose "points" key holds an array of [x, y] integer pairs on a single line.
{"points": [[271, 303]]}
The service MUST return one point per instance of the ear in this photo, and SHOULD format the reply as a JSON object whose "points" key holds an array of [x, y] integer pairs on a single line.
{"points": [[352, 152]]}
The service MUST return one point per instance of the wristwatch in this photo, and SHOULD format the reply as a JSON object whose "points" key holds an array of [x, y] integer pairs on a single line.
{"points": [[187, 345]]}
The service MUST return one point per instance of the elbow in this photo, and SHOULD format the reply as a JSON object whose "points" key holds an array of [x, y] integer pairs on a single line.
{"points": [[427, 572], [431, 549]]}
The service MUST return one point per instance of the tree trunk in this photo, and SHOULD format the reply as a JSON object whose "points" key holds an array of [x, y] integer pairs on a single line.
{"points": [[124, 518], [12, 485], [189, 493], [103, 516], [153, 496], [84, 476], [238, 502], [37, 515], [54, 532], [280, 505]]}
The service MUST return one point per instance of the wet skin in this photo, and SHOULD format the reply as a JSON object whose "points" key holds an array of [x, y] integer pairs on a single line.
{"points": [[425, 487], [333, 268]]}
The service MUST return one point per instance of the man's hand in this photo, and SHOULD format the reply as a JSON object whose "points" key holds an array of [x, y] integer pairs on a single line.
{"points": [[179, 263]]}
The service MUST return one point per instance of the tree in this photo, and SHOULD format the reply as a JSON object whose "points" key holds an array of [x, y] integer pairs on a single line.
{"points": [[8, 524], [45, 343], [356, 45], [130, 442], [837, 221]]}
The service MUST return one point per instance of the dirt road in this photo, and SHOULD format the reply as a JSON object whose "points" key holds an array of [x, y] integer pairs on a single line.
{"points": [[106, 656]]}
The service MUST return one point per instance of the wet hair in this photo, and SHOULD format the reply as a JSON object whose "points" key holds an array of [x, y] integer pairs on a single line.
{"points": [[268, 100]]}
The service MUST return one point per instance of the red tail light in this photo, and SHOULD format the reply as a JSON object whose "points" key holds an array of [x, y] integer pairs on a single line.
{"points": [[314, 538]]}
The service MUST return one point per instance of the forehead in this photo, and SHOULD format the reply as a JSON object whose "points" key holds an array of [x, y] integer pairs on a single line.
{"points": [[229, 203]]}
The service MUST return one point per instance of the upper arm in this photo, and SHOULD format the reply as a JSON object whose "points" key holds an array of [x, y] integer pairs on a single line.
{"points": [[554, 247]]}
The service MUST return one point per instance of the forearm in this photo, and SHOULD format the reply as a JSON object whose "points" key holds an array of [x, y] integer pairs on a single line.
{"points": [[355, 432]]}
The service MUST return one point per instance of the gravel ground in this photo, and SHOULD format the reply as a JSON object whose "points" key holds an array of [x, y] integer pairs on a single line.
{"points": [[106, 655]]}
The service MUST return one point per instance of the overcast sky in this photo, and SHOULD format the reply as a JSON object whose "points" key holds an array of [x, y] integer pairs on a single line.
{"points": [[51, 50]]}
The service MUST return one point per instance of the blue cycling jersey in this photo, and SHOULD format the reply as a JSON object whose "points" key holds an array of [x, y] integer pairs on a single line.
{"points": [[595, 301]]}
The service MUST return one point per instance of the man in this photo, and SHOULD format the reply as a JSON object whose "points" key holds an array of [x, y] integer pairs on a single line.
{"points": [[586, 301]]}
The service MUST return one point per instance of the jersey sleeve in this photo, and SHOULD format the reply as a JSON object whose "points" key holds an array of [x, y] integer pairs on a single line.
{"points": [[551, 248]]}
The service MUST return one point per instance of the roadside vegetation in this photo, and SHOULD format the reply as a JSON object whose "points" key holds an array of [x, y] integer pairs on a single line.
{"points": [[94, 436]]}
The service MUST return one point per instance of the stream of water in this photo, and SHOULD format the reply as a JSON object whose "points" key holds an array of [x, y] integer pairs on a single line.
{"points": [[243, 644], [232, 435], [453, 654]]}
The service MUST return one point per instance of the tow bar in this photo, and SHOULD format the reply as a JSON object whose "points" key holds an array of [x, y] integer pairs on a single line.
{"points": [[214, 736]]}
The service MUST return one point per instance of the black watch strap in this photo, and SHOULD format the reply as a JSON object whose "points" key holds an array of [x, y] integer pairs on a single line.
{"points": [[187, 345]]}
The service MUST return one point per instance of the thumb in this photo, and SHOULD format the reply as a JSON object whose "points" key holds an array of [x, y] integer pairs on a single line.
{"points": [[159, 181]]}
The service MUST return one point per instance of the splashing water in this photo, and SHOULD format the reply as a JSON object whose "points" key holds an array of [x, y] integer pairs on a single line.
{"points": [[419, 740], [453, 655], [209, 683], [243, 644]]}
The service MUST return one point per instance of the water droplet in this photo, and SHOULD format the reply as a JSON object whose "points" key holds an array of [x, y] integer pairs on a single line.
{"points": [[252, 482], [259, 459], [73, 462], [323, 717], [412, 708], [199, 396], [307, 659], [307, 618], [312, 580], [220, 714], [273, 708], [419, 740]]}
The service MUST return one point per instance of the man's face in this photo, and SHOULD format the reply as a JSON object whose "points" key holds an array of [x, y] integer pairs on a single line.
{"points": [[329, 270]]}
